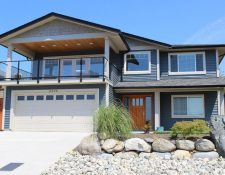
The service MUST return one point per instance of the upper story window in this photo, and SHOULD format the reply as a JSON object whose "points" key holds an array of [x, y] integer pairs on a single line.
{"points": [[137, 63], [187, 63]]}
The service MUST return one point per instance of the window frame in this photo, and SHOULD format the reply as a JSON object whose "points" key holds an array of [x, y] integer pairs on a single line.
{"points": [[188, 116], [126, 72], [190, 72]]}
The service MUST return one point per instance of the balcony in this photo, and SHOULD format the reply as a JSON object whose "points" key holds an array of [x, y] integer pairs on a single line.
{"points": [[63, 70]]}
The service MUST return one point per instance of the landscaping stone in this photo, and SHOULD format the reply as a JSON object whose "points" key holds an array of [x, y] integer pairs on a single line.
{"points": [[136, 144], [163, 145], [204, 145], [109, 144], [185, 145], [145, 155], [149, 140], [104, 156], [126, 155], [119, 147], [217, 125], [76, 164], [161, 155], [182, 154], [89, 145], [205, 155]]}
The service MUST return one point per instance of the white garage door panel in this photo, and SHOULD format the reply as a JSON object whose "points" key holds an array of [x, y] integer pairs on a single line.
{"points": [[54, 115], [46, 124]]}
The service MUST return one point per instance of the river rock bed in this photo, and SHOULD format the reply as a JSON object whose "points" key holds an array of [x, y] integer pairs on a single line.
{"points": [[131, 163]]}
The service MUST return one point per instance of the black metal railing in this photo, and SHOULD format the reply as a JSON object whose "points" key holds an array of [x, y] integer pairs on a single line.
{"points": [[59, 69]]}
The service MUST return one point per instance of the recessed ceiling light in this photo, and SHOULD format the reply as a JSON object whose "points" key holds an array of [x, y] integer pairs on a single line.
{"points": [[78, 44], [66, 45], [91, 43], [43, 46], [53, 45]]}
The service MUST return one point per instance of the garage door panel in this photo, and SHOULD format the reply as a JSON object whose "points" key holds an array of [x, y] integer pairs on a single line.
{"points": [[54, 115]]}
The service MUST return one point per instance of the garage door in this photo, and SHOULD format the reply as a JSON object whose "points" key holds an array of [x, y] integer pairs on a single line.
{"points": [[55, 111]]}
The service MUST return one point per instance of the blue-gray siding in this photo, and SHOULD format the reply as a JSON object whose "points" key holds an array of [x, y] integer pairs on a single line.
{"points": [[10, 89], [210, 66], [115, 67], [211, 107], [145, 77]]}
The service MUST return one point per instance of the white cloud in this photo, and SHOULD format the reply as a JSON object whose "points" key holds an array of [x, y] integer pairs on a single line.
{"points": [[212, 33]]}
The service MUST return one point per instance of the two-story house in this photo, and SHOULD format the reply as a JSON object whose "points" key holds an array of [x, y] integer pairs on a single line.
{"points": [[74, 66]]}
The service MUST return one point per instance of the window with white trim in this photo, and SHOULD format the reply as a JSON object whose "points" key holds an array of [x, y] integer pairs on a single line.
{"points": [[187, 106], [187, 63], [137, 62]]}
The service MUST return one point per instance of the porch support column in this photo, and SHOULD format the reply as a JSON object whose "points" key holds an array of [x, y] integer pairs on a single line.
{"points": [[157, 110], [106, 54], [9, 63], [106, 73], [158, 67], [220, 98]]}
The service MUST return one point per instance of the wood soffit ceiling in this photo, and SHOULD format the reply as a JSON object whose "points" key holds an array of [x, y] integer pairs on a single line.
{"points": [[65, 45]]}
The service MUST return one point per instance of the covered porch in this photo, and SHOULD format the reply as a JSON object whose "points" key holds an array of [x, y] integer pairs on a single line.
{"points": [[163, 106]]}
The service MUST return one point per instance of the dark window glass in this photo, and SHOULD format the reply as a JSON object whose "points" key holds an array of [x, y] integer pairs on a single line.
{"points": [[49, 97], [173, 63], [180, 105], [80, 97], [40, 97], [59, 97], [20, 98], [29, 98], [199, 62], [69, 97], [137, 62], [90, 97]]}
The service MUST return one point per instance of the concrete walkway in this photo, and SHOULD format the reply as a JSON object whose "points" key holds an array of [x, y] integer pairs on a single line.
{"points": [[36, 150]]}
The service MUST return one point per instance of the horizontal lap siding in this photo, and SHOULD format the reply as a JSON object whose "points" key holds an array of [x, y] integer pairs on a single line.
{"points": [[145, 77], [115, 68], [10, 89], [211, 107], [210, 66]]}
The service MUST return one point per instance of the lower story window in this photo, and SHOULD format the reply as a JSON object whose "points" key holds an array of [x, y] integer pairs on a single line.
{"points": [[188, 106]]}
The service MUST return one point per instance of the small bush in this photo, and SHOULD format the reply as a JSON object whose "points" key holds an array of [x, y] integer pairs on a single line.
{"points": [[188, 128], [113, 121]]}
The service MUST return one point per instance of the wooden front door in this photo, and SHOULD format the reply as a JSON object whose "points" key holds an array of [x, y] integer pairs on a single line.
{"points": [[140, 108], [1, 108]]}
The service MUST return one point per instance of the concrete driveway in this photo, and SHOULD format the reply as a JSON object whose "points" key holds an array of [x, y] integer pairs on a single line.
{"points": [[36, 151]]}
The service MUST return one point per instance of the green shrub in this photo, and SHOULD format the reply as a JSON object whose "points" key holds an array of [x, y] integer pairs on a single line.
{"points": [[188, 128], [113, 121]]}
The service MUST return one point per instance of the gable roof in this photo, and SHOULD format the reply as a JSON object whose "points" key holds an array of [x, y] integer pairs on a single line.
{"points": [[53, 14], [111, 29]]}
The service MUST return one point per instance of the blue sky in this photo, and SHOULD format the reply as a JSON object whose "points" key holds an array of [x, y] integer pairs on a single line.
{"points": [[172, 21]]}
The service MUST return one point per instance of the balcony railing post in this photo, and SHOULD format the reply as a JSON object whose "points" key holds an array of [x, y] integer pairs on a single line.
{"points": [[59, 71], [18, 72], [81, 62], [38, 71], [103, 68]]}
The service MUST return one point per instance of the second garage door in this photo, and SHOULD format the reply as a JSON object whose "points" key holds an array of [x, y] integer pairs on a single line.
{"points": [[55, 111]]}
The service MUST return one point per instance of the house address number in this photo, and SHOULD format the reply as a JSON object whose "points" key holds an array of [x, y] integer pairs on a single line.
{"points": [[53, 90]]}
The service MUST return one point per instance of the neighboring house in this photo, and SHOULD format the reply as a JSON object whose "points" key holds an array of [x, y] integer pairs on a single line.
{"points": [[74, 66]]}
